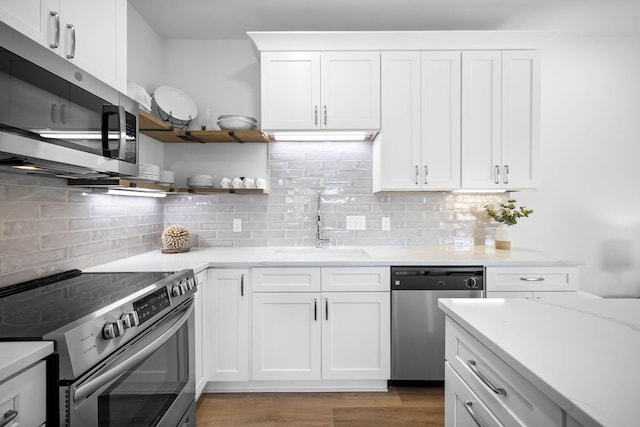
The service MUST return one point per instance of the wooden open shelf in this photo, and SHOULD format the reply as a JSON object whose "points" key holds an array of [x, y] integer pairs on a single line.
{"points": [[126, 184], [156, 128], [248, 191]]}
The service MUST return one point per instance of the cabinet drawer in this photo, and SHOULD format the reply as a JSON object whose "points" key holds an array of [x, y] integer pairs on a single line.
{"points": [[26, 394], [462, 407], [513, 395], [285, 279], [356, 279], [532, 279]]}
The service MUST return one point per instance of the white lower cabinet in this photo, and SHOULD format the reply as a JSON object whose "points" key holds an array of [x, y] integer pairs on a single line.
{"points": [[536, 283], [499, 394], [355, 335], [286, 335], [201, 380], [462, 407], [226, 325], [322, 335], [24, 396]]}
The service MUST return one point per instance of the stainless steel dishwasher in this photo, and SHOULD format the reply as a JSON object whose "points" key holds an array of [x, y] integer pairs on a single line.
{"points": [[417, 324]]}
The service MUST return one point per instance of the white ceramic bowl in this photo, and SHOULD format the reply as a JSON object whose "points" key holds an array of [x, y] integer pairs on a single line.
{"points": [[200, 181], [237, 123], [238, 116]]}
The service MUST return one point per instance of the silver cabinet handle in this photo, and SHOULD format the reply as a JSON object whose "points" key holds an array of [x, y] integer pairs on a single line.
{"points": [[56, 25], [315, 309], [71, 31], [417, 175], [54, 107], [468, 405], [505, 169], [63, 115], [8, 417], [426, 174], [242, 285], [315, 115], [532, 279], [485, 380], [325, 115], [496, 175], [326, 308]]}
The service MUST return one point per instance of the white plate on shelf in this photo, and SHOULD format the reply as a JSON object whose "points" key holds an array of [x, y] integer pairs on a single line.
{"points": [[176, 103]]}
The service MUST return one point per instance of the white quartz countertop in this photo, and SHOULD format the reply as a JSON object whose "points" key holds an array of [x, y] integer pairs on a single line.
{"points": [[16, 356], [583, 354], [201, 258]]}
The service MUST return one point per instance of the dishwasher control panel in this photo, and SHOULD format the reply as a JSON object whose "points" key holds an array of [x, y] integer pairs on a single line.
{"points": [[437, 278]]}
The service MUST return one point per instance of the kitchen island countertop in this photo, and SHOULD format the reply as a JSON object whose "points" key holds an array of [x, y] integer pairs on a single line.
{"points": [[583, 354], [201, 258], [16, 356]]}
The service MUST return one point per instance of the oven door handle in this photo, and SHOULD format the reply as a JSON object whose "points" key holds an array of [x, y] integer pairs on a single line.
{"points": [[105, 378]]}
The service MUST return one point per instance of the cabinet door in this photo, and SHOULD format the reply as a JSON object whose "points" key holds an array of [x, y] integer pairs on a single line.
{"points": [[290, 91], [532, 279], [35, 19], [100, 43], [286, 336], [356, 279], [440, 166], [227, 325], [462, 407], [350, 90], [397, 151], [520, 119], [26, 394], [286, 279], [356, 335], [481, 119], [199, 336]]}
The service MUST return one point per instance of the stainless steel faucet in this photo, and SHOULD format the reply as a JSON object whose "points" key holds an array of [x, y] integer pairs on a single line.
{"points": [[321, 242]]}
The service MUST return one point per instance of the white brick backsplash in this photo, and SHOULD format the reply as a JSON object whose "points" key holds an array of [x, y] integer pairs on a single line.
{"points": [[46, 226]]}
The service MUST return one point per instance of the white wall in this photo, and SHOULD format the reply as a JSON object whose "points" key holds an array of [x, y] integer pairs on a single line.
{"points": [[145, 56], [588, 206]]}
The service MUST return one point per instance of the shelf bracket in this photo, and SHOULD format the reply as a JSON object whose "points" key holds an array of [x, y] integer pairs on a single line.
{"points": [[232, 134], [190, 138]]}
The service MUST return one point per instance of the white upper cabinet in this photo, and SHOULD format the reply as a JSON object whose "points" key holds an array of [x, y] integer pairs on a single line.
{"points": [[328, 90], [500, 119], [92, 34], [419, 148]]}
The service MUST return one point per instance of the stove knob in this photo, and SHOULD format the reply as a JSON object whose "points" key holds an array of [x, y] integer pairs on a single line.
{"points": [[191, 283], [112, 330], [471, 283], [130, 319], [178, 290]]}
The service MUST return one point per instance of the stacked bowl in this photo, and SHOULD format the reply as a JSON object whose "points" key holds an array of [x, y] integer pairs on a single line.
{"points": [[200, 181], [148, 172], [236, 122]]}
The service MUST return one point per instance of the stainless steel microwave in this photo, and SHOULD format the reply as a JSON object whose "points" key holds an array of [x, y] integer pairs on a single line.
{"points": [[55, 118]]}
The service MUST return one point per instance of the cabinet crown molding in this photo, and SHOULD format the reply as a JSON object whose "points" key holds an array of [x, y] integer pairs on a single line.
{"points": [[264, 41]]}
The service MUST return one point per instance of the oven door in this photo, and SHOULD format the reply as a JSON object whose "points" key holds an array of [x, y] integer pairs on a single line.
{"points": [[151, 382]]}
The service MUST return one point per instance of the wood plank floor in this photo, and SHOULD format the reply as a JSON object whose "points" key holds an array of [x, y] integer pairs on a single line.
{"points": [[400, 406]]}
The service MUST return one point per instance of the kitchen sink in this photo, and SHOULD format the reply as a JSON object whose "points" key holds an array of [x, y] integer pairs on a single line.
{"points": [[313, 254]]}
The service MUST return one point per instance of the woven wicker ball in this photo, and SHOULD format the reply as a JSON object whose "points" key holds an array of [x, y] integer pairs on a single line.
{"points": [[175, 237]]}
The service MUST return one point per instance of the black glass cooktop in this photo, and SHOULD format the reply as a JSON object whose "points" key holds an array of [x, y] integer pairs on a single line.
{"points": [[28, 311]]}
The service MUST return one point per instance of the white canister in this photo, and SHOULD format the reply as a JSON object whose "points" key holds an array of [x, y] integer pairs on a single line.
{"points": [[249, 183]]}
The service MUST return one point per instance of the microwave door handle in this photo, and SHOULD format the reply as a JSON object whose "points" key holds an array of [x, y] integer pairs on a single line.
{"points": [[114, 372], [107, 111]]}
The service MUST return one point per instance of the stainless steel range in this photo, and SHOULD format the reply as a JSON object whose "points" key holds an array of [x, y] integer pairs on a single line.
{"points": [[124, 349]]}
